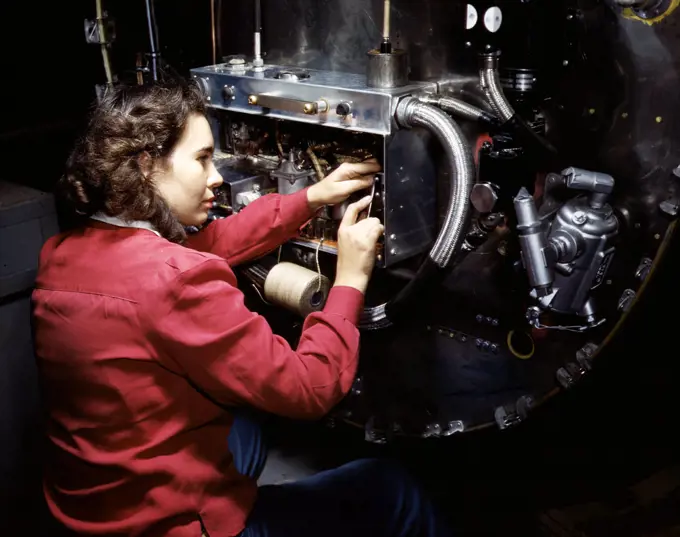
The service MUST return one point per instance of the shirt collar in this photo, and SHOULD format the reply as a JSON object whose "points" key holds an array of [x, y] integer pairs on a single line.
{"points": [[117, 221]]}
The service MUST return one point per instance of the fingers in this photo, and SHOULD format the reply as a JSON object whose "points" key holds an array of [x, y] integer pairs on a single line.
{"points": [[353, 210], [355, 170], [371, 228]]}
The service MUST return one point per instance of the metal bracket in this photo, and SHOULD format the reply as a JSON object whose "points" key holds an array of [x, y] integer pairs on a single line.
{"points": [[509, 415], [92, 31], [643, 269], [435, 430], [568, 375], [372, 435], [670, 207], [626, 300]]}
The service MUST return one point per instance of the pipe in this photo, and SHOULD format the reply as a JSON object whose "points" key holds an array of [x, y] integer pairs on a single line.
{"points": [[489, 80], [461, 109], [102, 41], [153, 37], [413, 113]]}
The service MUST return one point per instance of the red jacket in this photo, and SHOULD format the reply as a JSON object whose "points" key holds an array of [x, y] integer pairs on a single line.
{"points": [[125, 323]]}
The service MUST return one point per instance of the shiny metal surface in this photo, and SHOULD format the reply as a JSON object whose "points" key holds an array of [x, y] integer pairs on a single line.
{"points": [[410, 195], [483, 197], [371, 108], [386, 70], [413, 113], [489, 80], [337, 34]]}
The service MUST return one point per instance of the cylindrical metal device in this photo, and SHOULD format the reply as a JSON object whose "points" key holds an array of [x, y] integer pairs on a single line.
{"points": [[387, 70], [534, 244]]}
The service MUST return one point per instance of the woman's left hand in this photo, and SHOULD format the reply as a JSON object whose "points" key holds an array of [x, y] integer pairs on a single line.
{"points": [[345, 180]]}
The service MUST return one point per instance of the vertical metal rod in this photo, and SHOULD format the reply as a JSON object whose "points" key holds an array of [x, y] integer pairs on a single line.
{"points": [[104, 44], [257, 61], [386, 45], [153, 37], [212, 28]]}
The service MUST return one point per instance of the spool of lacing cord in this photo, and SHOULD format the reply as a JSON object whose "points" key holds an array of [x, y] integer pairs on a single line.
{"points": [[289, 285]]}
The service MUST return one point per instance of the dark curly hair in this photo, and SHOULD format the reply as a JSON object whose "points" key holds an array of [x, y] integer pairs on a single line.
{"points": [[103, 173]]}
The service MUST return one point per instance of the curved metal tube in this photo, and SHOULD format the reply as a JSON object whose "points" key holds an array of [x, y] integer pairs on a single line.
{"points": [[413, 113], [460, 108], [490, 82]]}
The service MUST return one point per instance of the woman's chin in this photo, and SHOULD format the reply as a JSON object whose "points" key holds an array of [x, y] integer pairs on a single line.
{"points": [[196, 220]]}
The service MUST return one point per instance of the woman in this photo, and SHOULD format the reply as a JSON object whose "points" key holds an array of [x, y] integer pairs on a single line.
{"points": [[143, 339]]}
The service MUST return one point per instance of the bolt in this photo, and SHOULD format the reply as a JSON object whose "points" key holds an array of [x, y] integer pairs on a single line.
{"points": [[480, 318], [670, 207], [624, 115], [479, 342], [494, 322], [565, 62], [658, 119], [393, 237], [489, 320], [579, 218], [494, 348], [485, 345]]}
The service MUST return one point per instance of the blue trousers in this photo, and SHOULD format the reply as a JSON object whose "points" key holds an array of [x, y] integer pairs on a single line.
{"points": [[371, 498]]}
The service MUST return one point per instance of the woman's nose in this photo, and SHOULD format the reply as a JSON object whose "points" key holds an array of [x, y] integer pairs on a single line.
{"points": [[215, 178]]}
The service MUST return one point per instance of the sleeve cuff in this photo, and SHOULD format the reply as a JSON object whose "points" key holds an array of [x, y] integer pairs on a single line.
{"points": [[347, 302], [296, 207]]}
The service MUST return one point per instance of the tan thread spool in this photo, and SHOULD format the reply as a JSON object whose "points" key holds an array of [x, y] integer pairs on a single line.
{"points": [[296, 288]]}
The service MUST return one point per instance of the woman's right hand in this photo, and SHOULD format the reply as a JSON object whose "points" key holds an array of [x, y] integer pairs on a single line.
{"points": [[357, 246]]}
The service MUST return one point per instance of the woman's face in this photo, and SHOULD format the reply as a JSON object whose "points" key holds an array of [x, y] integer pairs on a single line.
{"points": [[189, 177]]}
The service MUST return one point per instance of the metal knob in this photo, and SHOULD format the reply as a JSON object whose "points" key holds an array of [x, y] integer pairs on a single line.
{"points": [[229, 93], [343, 109]]}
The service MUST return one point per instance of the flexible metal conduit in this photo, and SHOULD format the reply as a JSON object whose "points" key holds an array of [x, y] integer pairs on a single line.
{"points": [[490, 82], [460, 108], [413, 113]]}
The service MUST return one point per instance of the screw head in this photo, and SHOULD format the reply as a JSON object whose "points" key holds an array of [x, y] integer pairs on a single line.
{"points": [[579, 218]]}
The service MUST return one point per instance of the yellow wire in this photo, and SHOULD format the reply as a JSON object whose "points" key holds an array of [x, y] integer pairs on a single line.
{"points": [[517, 354]]}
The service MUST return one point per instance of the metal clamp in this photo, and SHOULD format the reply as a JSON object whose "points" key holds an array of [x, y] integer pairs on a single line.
{"points": [[514, 413], [289, 105]]}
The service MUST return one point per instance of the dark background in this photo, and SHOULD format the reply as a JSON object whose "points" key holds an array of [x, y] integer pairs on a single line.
{"points": [[618, 426]]}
